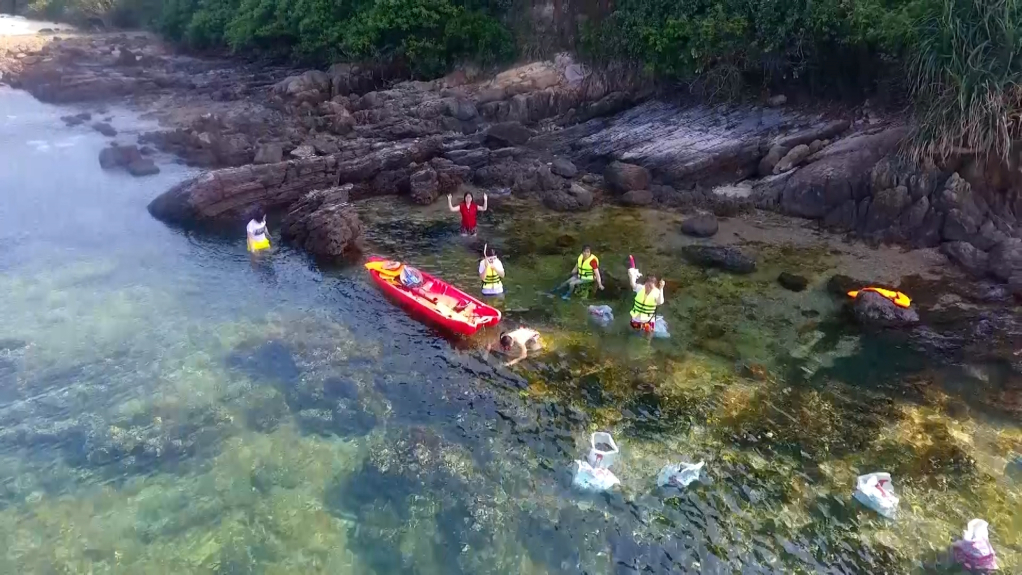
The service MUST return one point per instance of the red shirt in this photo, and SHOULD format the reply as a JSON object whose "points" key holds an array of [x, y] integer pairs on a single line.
{"points": [[468, 215]]}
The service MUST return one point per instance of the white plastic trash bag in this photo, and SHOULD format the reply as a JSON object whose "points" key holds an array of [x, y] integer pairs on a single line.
{"points": [[660, 327], [679, 475], [876, 491], [601, 314], [589, 478], [974, 551], [603, 450], [634, 274]]}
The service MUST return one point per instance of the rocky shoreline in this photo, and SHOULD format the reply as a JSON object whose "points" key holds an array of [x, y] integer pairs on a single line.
{"points": [[306, 143]]}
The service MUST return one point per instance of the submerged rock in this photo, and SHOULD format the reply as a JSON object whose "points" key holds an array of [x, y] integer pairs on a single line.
{"points": [[574, 199], [143, 167], [792, 282], [873, 309], [968, 256], [105, 129], [702, 226], [727, 258]]}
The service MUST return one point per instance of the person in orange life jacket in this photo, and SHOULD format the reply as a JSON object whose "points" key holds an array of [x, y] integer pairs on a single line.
{"points": [[648, 295], [491, 272], [586, 270], [468, 209]]}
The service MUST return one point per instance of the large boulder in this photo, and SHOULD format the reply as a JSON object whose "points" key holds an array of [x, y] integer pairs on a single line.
{"points": [[563, 168], [702, 226], [1006, 259], [508, 134], [622, 177], [312, 86], [874, 310], [968, 256], [424, 186], [323, 223], [637, 198], [728, 258], [766, 165], [574, 199], [839, 173], [341, 122], [142, 167], [886, 207], [461, 109], [118, 157]]}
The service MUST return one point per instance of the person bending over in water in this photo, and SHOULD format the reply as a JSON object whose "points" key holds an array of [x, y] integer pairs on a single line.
{"points": [[585, 272], [491, 272], [468, 209], [648, 295], [258, 235], [523, 338]]}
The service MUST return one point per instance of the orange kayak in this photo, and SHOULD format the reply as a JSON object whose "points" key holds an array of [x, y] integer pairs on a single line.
{"points": [[434, 300], [897, 298]]}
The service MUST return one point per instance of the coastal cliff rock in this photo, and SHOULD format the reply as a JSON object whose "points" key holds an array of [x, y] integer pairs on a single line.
{"points": [[225, 195]]}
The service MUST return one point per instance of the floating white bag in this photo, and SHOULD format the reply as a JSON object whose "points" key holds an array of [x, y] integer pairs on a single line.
{"points": [[875, 490], [603, 450], [660, 327], [589, 478], [679, 475], [601, 314], [974, 550]]}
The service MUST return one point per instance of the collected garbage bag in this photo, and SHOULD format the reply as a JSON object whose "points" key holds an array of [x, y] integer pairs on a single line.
{"points": [[603, 450], [875, 490], [601, 314], [410, 277], [660, 327], [589, 478], [973, 551], [679, 475]]}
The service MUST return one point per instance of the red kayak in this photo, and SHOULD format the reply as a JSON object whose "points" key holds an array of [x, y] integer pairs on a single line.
{"points": [[434, 300]]}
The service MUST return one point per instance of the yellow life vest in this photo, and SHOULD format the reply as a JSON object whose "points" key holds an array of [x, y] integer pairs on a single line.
{"points": [[491, 281], [585, 267], [644, 306]]}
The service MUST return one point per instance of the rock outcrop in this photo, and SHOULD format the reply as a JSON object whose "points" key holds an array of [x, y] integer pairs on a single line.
{"points": [[703, 226], [323, 223], [226, 195], [874, 310], [623, 177]]}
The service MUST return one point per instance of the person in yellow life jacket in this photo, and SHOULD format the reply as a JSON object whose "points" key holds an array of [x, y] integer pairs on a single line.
{"points": [[258, 235], [585, 272], [648, 295], [491, 272]]}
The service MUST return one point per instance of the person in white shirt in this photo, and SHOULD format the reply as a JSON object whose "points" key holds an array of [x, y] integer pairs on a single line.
{"points": [[491, 272], [648, 295], [258, 235], [523, 338]]}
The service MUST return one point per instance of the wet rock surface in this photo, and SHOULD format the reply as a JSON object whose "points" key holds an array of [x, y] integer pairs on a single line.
{"points": [[323, 223], [703, 226], [727, 258]]}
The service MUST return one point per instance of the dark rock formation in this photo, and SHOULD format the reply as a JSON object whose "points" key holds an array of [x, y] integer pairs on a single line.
{"points": [[968, 256], [508, 134], [874, 310], [702, 226], [424, 186], [792, 282], [323, 223], [226, 195], [105, 129], [118, 157], [142, 167], [268, 154], [563, 168], [622, 177], [727, 258], [574, 199]]}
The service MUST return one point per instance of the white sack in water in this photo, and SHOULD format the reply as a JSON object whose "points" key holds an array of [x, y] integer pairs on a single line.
{"points": [[601, 314], [588, 478], [875, 490], [679, 475]]}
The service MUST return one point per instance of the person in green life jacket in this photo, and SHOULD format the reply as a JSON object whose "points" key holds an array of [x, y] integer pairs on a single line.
{"points": [[585, 272], [491, 272], [648, 295]]}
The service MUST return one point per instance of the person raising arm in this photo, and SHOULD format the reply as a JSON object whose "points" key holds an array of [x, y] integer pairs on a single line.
{"points": [[468, 209]]}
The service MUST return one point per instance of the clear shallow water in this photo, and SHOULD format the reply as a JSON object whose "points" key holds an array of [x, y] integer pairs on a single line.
{"points": [[167, 407]]}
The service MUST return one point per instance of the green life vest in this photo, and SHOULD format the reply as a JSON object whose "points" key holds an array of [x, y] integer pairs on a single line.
{"points": [[644, 306], [585, 267]]}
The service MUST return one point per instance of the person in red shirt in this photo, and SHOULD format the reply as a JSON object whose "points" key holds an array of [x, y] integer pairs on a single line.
{"points": [[468, 209]]}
